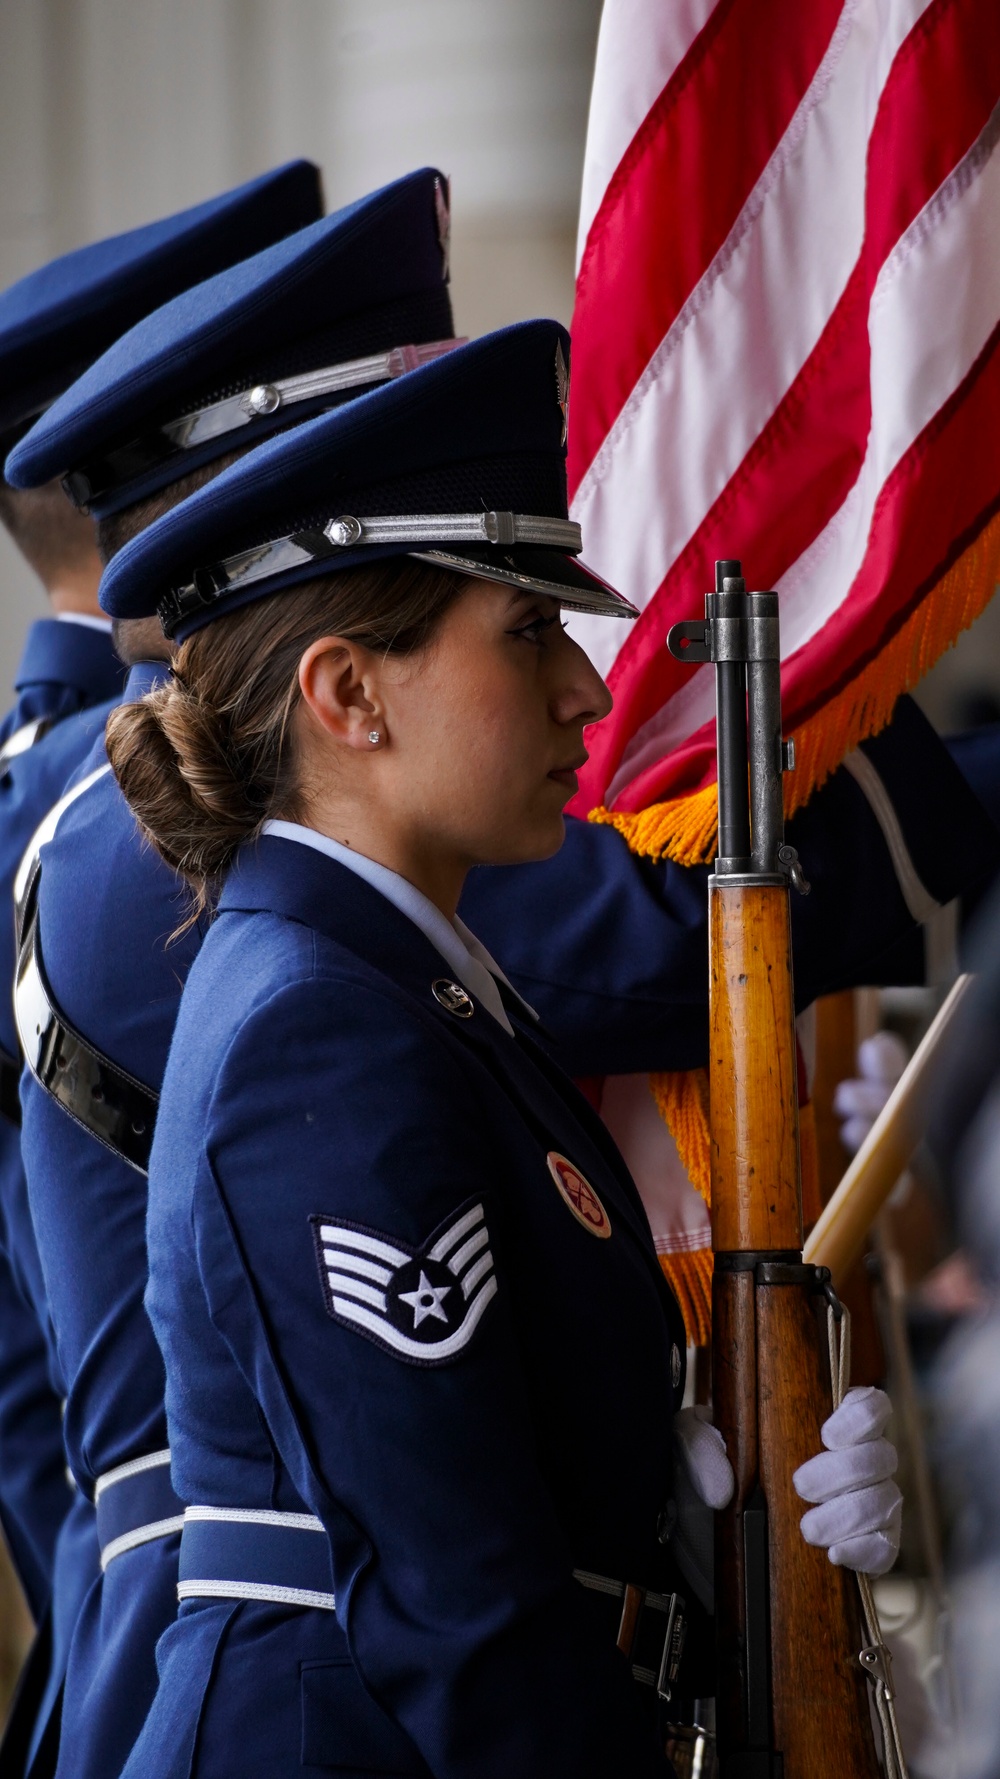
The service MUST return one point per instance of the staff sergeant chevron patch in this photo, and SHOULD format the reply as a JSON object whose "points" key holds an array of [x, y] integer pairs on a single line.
{"points": [[424, 1304]]}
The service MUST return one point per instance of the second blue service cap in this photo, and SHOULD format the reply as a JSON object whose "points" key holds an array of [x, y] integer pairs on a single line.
{"points": [[356, 299], [461, 463], [57, 320]]}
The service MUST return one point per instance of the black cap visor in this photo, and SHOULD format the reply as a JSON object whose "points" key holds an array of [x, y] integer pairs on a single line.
{"points": [[535, 569]]}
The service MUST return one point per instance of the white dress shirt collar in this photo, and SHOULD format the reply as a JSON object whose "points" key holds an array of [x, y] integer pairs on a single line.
{"points": [[89, 620]]}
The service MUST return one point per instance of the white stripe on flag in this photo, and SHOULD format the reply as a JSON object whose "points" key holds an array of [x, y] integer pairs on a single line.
{"points": [[640, 47], [749, 325]]}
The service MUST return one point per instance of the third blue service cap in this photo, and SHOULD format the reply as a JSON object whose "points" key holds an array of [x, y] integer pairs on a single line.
{"points": [[57, 320], [461, 463], [355, 299]]}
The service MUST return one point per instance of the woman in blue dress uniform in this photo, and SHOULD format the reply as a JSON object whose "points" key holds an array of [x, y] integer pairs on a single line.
{"points": [[421, 1362]]}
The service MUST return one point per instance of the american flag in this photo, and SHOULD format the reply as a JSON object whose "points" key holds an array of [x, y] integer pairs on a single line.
{"points": [[785, 348]]}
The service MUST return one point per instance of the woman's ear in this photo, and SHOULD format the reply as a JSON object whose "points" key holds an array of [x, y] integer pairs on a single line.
{"points": [[337, 680]]}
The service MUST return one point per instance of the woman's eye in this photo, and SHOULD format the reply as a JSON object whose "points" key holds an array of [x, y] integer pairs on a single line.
{"points": [[535, 628]]}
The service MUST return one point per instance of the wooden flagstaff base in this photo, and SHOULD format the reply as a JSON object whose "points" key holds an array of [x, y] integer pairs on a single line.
{"points": [[771, 1383]]}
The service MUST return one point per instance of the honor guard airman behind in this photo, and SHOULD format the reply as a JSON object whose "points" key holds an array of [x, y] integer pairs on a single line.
{"points": [[356, 297], [422, 1365], [52, 325]]}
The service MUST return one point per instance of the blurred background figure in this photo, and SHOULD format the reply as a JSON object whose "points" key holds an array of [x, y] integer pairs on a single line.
{"points": [[966, 1380]]}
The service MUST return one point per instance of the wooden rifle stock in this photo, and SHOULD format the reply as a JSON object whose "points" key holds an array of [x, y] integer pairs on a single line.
{"points": [[792, 1698]]}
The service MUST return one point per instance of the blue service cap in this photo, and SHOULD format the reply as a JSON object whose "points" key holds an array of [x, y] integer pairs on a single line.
{"points": [[56, 321], [461, 463], [358, 298]]}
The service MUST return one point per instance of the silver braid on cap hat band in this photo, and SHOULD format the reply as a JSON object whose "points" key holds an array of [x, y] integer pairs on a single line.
{"points": [[346, 532], [265, 399], [120, 464]]}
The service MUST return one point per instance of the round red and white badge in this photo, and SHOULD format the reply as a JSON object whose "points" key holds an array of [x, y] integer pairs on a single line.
{"points": [[579, 1194]]}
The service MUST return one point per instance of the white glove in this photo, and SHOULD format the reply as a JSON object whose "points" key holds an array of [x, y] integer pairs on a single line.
{"points": [[860, 1508], [881, 1061], [703, 1482]]}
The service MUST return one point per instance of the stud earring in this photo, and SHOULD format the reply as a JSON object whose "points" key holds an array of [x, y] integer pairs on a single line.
{"points": [[374, 737]]}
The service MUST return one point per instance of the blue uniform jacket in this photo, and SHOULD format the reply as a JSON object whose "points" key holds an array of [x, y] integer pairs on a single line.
{"points": [[611, 950], [64, 667], [85, 1213], [314, 1079]]}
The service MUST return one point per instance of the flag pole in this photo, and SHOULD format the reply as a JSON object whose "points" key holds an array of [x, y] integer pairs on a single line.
{"points": [[838, 1237]]}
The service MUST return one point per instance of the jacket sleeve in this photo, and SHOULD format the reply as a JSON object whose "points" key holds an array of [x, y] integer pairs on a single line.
{"points": [[611, 949], [34, 1493], [452, 1573]]}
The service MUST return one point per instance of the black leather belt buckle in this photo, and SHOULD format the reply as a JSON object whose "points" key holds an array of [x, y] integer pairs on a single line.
{"points": [[651, 1635]]}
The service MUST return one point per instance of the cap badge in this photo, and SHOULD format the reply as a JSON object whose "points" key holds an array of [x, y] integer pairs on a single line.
{"points": [[578, 1193], [453, 998], [562, 390]]}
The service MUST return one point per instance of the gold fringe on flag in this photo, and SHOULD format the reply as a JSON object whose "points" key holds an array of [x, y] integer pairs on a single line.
{"points": [[681, 1097], [684, 828], [690, 1279]]}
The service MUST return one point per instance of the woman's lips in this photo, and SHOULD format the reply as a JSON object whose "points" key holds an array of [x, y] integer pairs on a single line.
{"points": [[566, 775]]}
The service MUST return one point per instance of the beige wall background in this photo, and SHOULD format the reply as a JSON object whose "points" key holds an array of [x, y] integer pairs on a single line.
{"points": [[116, 111]]}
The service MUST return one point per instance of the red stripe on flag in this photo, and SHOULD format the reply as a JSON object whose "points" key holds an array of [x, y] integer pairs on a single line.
{"points": [[677, 192], [801, 467]]}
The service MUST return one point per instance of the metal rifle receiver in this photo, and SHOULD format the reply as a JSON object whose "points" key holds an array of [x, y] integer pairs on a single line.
{"points": [[739, 635]]}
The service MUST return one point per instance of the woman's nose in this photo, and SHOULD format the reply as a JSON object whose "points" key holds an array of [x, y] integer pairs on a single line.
{"points": [[584, 696]]}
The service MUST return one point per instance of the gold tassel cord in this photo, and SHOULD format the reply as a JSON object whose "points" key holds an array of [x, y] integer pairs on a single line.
{"points": [[684, 828]]}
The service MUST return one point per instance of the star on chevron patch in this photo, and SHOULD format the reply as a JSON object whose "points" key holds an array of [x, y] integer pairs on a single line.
{"points": [[423, 1304]]}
